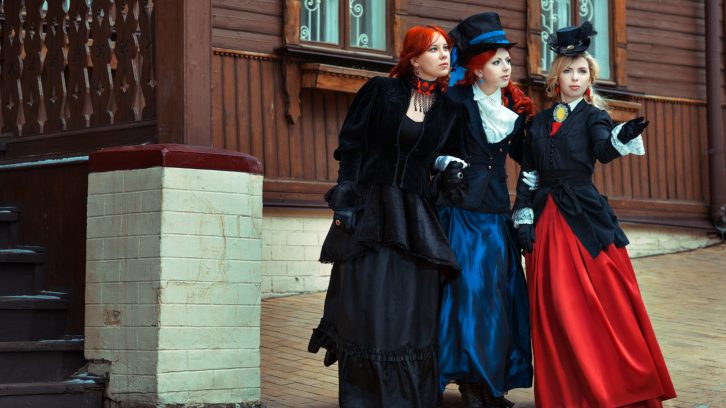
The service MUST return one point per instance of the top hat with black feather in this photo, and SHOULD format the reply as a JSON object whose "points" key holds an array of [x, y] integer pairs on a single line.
{"points": [[571, 41]]}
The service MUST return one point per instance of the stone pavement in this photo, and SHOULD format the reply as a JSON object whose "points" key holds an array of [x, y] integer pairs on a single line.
{"points": [[685, 295]]}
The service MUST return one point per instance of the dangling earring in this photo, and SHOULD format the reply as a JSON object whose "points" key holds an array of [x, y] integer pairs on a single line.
{"points": [[588, 93], [417, 71], [480, 81], [557, 90]]}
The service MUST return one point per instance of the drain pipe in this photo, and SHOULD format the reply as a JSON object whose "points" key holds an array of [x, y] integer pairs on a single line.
{"points": [[717, 168]]}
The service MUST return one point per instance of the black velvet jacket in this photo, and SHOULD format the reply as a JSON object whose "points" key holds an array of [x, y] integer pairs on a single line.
{"points": [[484, 187], [386, 184], [369, 152], [565, 163]]}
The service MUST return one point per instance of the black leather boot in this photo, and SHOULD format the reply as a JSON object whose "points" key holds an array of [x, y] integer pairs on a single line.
{"points": [[471, 394], [490, 401]]}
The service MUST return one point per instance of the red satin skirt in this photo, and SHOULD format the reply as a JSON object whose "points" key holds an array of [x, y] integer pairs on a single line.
{"points": [[592, 339]]}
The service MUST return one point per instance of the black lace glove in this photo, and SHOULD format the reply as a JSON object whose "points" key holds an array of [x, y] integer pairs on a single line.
{"points": [[525, 232], [452, 176], [632, 128], [345, 220]]}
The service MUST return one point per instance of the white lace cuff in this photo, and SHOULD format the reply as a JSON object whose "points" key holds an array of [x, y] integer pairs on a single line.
{"points": [[523, 216], [634, 146], [442, 161]]}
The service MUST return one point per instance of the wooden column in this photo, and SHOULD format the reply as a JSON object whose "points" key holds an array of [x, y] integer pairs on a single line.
{"points": [[183, 51]]}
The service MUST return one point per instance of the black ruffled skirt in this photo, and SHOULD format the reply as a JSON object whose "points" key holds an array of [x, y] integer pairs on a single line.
{"points": [[380, 316], [392, 217]]}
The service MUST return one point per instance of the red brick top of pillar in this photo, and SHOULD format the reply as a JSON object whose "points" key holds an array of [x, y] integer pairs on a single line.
{"points": [[172, 155]]}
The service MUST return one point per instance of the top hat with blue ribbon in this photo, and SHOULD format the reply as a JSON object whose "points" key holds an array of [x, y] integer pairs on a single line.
{"points": [[476, 34]]}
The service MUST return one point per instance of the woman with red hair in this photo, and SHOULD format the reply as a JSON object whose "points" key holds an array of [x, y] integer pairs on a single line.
{"points": [[387, 247], [484, 340]]}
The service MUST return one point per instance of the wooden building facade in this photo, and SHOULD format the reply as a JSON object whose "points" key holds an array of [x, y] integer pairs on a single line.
{"points": [[657, 62]]}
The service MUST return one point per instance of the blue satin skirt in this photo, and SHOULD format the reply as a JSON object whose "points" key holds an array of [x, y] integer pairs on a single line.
{"points": [[484, 332]]}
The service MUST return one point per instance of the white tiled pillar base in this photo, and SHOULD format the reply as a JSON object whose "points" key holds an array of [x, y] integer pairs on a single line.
{"points": [[173, 285]]}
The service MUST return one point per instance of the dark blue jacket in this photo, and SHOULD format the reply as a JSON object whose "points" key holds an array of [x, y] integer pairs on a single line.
{"points": [[484, 187]]}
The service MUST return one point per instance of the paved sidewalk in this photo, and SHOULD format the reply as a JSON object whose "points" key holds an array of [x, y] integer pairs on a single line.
{"points": [[685, 295]]}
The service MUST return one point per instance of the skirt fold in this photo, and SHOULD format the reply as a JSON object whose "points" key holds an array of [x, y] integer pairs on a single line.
{"points": [[483, 322], [593, 342], [379, 324]]}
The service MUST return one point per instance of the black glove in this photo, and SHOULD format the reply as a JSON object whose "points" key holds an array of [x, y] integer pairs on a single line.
{"points": [[632, 128], [525, 233], [452, 175], [345, 220]]}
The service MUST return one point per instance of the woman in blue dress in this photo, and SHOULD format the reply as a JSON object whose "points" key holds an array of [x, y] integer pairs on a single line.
{"points": [[484, 338]]}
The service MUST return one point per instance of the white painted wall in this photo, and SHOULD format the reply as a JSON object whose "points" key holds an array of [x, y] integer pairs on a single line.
{"points": [[173, 284]]}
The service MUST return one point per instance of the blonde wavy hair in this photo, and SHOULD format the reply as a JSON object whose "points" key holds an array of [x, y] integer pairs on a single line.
{"points": [[560, 64]]}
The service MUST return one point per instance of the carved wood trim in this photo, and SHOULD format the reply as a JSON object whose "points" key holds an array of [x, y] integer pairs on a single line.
{"points": [[623, 111], [534, 31], [100, 81], [620, 43], [668, 99], [78, 54], [291, 16], [333, 78], [258, 56], [292, 87]]}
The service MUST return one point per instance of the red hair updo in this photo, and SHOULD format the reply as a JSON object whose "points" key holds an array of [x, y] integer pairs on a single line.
{"points": [[417, 40], [522, 103]]}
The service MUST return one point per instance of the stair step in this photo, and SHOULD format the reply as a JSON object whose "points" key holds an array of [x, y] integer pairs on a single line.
{"points": [[53, 387], [32, 317], [40, 360], [8, 226], [75, 393], [18, 302], [9, 214], [21, 270], [21, 255]]}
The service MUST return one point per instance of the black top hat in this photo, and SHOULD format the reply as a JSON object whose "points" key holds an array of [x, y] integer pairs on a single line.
{"points": [[478, 33], [571, 41]]}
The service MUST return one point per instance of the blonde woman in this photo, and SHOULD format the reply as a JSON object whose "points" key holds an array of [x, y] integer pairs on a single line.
{"points": [[592, 339]]}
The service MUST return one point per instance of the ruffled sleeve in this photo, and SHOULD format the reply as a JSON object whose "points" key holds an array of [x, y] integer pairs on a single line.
{"points": [[634, 146]]}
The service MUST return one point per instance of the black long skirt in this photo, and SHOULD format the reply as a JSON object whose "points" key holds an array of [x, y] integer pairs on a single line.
{"points": [[379, 323]]}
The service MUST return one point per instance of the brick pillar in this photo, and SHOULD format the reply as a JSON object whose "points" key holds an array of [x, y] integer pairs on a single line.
{"points": [[173, 275]]}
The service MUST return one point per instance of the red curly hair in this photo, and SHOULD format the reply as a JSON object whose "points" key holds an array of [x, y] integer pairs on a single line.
{"points": [[522, 103], [418, 39]]}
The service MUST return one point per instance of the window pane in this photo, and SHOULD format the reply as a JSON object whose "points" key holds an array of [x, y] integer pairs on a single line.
{"points": [[555, 15], [597, 12], [319, 21], [368, 24]]}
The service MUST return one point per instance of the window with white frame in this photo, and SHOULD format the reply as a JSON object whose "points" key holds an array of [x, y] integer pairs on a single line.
{"points": [[346, 24]]}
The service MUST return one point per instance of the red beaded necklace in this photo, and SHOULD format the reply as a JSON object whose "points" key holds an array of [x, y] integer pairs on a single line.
{"points": [[424, 94]]}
